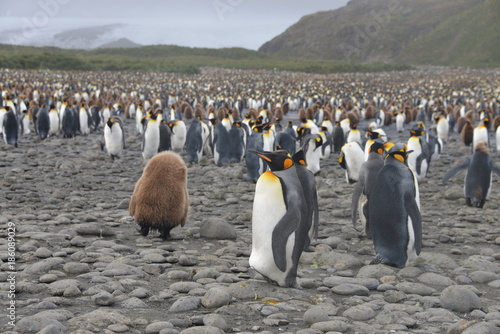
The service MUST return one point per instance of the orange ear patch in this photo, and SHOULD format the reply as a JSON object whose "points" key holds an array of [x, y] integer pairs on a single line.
{"points": [[287, 163]]}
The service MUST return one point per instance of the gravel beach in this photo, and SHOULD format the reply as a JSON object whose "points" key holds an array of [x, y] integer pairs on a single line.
{"points": [[82, 267]]}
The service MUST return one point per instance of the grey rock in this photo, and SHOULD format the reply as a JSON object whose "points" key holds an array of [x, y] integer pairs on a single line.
{"points": [[124, 204], [94, 229], [215, 320], [157, 327], [103, 298], [348, 289], [331, 326], [202, 330], [76, 268], [53, 329], [134, 303], [216, 297], [481, 276], [316, 314], [375, 271], [459, 298], [217, 228], [34, 324], [100, 318], [44, 266], [184, 287], [481, 263], [437, 259], [117, 328], [359, 313], [43, 253], [184, 304], [57, 288], [47, 278], [415, 288], [188, 261], [435, 279], [369, 283], [483, 328]]}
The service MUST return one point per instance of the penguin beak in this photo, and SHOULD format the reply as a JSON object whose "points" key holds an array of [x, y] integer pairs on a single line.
{"points": [[408, 152], [261, 154]]}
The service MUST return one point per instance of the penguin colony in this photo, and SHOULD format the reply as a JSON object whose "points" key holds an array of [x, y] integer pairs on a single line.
{"points": [[241, 118]]}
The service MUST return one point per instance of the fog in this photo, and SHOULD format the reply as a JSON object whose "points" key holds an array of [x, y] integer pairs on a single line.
{"points": [[194, 23]]}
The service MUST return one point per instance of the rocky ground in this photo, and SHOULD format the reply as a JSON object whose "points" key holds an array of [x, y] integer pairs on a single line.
{"points": [[82, 267]]}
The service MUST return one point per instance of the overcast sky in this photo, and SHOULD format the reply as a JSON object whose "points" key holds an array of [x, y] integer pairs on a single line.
{"points": [[195, 23]]}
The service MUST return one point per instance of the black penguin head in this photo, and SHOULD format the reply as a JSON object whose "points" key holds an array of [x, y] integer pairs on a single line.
{"points": [[377, 147], [399, 152], [373, 134], [417, 132], [110, 122], [318, 141], [276, 160], [300, 157]]}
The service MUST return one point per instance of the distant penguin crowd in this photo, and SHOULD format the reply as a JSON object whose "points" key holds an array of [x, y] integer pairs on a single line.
{"points": [[282, 130]]}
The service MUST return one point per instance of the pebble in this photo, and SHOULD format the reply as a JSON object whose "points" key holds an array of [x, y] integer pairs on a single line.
{"points": [[460, 298], [157, 327]]}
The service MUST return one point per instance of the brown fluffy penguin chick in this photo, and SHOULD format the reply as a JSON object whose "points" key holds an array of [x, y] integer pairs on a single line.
{"points": [[467, 133], [160, 198]]}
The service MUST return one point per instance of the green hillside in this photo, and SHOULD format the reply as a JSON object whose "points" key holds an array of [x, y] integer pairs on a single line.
{"points": [[167, 58], [435, 32]]}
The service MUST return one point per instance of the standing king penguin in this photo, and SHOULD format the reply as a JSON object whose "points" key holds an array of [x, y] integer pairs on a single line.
{"points": [[280, 220], [114, 137], [394, 212], [480, 167], [10, 127], [367, 176], [308, 182]]}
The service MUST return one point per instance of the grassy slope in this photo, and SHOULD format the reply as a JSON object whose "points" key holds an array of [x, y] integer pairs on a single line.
{"points": [[444, 32], [165, 58]]}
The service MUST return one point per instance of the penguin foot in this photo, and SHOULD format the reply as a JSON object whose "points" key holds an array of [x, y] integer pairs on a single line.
{"points": [[142, 229], [379, 259]]}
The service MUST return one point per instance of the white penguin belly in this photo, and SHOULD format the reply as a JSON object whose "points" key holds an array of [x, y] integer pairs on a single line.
{"points": [[498, 138], [268, 209], [151, 141], [54, 123]]}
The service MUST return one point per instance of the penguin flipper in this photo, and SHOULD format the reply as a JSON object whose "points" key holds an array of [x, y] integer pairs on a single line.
{"points": [[413, 211], [420, 158], [282, 231], [461, 166], [315, 215], [494, 167], [123, 133]]}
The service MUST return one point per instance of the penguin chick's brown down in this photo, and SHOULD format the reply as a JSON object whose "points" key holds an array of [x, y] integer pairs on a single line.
{"points": [[160, 198]]}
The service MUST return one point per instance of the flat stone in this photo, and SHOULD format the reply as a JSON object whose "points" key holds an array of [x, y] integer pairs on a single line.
{"points": [[184, 304], [348, 289], [217, 228], [415, 288], [359, 313], [156, 327], [459, 298]]}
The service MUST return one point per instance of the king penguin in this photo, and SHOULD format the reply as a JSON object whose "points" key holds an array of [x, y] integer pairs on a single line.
{"points": [[367, 176], [221, 145], [114, 137], [312, 148], [194, 142], [42, 122], [236, 143], [178, 128], [481, 133], [419, 160], [10, 127], [55, 122], [308, 182], [280, 221], [351, 158], [478, 178], [151, 138], [394, 215], [255, 165]]}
